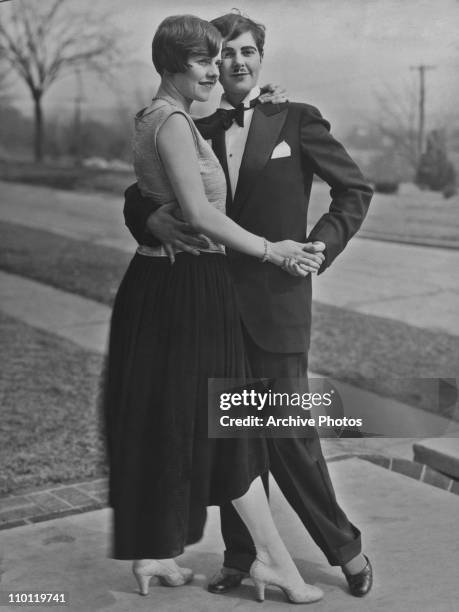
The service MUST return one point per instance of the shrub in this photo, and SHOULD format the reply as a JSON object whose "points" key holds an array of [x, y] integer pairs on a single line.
{"points": [[386, 186], [435, 171]]}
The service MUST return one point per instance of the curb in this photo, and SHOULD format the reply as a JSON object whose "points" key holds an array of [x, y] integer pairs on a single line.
{"points": [[65, 500], [409, 240], [415, 470], [56, 502]]}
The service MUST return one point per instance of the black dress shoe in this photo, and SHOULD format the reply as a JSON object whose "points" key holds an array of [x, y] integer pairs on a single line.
{"points": [[223, 582], [361, 583]]}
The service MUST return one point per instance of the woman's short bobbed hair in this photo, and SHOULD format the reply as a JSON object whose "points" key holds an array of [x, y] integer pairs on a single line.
{"points": [[178, 38]]}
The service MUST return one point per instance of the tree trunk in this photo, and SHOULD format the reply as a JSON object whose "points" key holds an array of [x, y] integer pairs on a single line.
{"points": [[38, 135]]}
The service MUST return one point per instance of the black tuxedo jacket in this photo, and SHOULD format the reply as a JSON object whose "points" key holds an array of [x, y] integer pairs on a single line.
{"points": [[271, 200]]}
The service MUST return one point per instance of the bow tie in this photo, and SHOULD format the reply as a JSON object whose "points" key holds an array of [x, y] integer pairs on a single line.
{"points": [[227, 116]]}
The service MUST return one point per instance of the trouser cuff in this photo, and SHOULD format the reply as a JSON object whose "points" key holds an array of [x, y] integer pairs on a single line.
{"points": [[238, 561], [346, 552]]}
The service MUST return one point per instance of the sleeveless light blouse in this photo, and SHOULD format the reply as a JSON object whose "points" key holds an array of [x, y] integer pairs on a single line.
{"points": [[151, 177]]}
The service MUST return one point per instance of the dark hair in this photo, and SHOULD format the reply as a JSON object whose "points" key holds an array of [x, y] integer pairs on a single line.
{"points": [[180, 36], [234, 24]]}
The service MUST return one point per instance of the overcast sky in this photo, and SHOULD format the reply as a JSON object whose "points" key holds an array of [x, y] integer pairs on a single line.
{"points": [[332, 53]]}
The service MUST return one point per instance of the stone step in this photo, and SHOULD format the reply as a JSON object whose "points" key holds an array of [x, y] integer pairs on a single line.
{"points": [[441, 454]]}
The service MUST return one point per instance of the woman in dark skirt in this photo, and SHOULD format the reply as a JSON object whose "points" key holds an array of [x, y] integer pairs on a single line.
{"points": [[175, 325]]}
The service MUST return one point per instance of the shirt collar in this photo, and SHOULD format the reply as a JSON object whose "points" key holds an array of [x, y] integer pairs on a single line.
{"points": [[254, 93]]}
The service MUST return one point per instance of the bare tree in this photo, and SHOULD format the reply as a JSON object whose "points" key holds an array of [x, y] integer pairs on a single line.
{"points": [[396, 122], [43, 41], [4, 82], [5, 73]]}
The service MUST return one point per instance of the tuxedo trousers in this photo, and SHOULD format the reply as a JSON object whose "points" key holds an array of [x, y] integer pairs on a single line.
{"points": [[299, 468]]}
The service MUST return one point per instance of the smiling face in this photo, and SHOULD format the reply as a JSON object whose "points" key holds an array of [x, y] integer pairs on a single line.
{"points": [[240, 66], [199, 79]]}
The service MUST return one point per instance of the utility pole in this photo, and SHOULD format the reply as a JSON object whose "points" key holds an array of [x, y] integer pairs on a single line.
{"points": [[422, 97]]}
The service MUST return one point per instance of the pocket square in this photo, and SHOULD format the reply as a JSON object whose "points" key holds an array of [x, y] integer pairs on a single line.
{"points": [[282, 150]]}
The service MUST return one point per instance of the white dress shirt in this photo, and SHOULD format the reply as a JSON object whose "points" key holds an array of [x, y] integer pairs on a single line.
{"points": [[236, 137]]}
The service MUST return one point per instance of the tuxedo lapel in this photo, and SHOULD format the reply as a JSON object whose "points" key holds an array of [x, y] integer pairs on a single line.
{"points": [[266, 125], [219, 147]]}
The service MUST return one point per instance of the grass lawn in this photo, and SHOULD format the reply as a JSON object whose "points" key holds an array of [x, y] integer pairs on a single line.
{"points": [[50, 429], [411, 215], [70, 178], [48, 386], [385, 356], [367, 350], [89, 270]]}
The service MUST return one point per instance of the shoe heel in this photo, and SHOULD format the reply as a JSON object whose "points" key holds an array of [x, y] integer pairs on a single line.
{"points": [[144, 582], [259, 589]]}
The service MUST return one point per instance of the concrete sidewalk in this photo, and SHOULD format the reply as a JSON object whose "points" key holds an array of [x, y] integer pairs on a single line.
{"points": [[409, 531], [406, 283]]}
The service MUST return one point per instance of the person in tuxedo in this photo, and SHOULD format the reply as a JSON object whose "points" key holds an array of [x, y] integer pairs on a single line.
{"points": [[270, 153]]}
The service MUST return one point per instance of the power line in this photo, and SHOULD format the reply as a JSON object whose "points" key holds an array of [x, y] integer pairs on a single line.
{"points": [[422, 98]]}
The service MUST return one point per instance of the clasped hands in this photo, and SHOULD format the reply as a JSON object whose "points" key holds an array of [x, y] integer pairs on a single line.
{"points": [[295, 258]]}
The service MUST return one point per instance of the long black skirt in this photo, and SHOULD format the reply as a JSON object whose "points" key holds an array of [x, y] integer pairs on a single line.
{"points": [[173, 327]]}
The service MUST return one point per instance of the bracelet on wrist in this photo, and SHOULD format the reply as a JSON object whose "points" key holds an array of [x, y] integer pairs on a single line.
{"points": [[265, 257]]}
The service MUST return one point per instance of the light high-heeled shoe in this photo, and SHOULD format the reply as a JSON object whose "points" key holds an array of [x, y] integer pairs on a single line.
{"points": [[163, 574], [263, 575]]}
